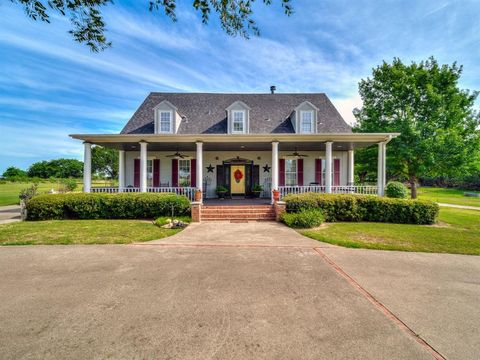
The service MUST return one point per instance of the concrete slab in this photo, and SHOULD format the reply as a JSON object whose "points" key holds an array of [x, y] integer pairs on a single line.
{"points": [[155, 302], [10, 213], [437, 295]]}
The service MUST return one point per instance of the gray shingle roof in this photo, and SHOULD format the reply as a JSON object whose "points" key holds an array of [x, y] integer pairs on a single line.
{"points": [[204, 113]]}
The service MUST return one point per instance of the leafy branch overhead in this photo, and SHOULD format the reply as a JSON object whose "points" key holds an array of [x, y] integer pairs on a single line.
{"points": [[88, 25]]}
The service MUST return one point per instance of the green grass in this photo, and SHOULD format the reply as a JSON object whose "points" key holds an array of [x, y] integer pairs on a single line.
{"points": [[448, 196], [458, 232], [57, 232]]}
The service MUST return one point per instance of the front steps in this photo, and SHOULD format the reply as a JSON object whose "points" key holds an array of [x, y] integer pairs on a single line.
{"points": [[237, 212]]}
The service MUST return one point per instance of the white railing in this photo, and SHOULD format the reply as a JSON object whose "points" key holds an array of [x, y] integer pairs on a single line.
{"points": [[189, 192], [347, 189]]}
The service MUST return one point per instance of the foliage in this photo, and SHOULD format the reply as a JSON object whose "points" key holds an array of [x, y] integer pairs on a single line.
{"points": [[60, 168], [395, 189], [438, 124], [28, 193], [364, 208], [163, 220], [14, 173], [106, 206], [257, 187], [88, 26], [448, 196], [468, 182], [304, 219], [221, 189], [105, 161], [69, 185]]}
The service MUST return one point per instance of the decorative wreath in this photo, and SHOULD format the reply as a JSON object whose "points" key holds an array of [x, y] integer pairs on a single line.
{"points": [[238, 175]]}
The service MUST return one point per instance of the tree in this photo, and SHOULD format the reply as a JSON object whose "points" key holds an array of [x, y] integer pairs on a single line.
{"points": [[60, 168], [439, 127], [105, 161], [88, 26], [14, 173]]}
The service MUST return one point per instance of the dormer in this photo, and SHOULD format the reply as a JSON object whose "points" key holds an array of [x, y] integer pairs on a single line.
{"points": [[167, 118], [238, 118], [304, 118]]}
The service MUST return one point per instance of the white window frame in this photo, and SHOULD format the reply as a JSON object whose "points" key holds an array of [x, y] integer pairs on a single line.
{"points": [[293, 174], [159, 121], [312, 121], [244, 122], [324, 163], [189, 182]]}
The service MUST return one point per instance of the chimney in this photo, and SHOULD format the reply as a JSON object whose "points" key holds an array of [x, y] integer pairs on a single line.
{"points": [[272, 89]]}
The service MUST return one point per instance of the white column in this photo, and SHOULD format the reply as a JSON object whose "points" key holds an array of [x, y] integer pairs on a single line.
{"points": [[351, 167], [328, 167], [87, 167], [121, 170], [143, 166], [274, 167], [381, 168], [200, 166]]}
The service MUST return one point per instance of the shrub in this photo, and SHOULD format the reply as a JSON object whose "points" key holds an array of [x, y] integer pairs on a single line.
{"points": [[364, 208], [69, 185], [395, 189], [28, 193], [106, 206], [304, 219]]}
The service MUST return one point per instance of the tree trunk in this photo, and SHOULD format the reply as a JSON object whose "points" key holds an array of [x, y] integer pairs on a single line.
{"points": [[413, 187]]}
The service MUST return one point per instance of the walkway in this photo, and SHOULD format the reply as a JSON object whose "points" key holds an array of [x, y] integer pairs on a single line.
{"points": [[466, 207], [10, 213]]}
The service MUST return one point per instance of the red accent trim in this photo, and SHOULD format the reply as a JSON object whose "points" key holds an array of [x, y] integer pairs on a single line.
{"points": [[336, 172], [193, 172], [281, 172], [174, 172], [136, 172], [318, 171], [156, 172], [300, 172]]}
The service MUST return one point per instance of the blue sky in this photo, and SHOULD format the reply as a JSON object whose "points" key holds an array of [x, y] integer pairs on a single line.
{"points": [[51, 87]]}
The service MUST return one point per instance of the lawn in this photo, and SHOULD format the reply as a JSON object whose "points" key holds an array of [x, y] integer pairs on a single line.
{"points": [[458, 232], [56, 232], [448, 196]]}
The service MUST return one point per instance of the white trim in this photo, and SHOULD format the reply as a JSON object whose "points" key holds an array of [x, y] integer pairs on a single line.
{"points": [[306, 103], [158, 116], [312, 121], [238, 102], [244, 120]]}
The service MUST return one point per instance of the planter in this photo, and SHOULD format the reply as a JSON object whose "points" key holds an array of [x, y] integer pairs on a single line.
{"points": [[276, 195], [221, 194], [198, 195], [256, 194]]}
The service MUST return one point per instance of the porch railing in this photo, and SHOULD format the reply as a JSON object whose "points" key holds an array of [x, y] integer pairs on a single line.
{"points": [[347, 189], [189, 192]]}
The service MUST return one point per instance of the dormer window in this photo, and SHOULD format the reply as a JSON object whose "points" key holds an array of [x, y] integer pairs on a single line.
{"points": [[238, 122], [165, 121], [306, 122]]}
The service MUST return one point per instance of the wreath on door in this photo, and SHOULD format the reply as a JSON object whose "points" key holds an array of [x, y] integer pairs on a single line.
{"points": [[238, 175]]}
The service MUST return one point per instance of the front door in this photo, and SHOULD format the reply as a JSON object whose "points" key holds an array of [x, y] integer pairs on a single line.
{"points": [[237, 179]]}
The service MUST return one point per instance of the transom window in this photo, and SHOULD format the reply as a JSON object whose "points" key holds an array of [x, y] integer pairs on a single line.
{"points": [[184, 173], [165, 122], [290, 172], [238, 122], [306, 121]]}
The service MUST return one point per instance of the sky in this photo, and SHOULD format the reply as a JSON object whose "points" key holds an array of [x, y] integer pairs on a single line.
{"points": [[51, 86]]}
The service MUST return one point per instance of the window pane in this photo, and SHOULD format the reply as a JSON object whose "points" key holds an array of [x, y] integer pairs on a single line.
{"points": [[238, 121], [290, 172], [183, 172], [149, 172], [307, 122], [165, 119]]}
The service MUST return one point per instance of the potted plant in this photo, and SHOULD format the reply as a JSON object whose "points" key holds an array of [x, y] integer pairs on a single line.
{"points": [[257, 190], [221, 192]]}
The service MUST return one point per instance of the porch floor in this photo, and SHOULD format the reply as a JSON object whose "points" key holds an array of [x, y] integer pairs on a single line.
{"points": [[236, 201]]}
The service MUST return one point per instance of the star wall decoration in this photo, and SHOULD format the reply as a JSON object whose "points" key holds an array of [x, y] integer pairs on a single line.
{"points": [[266, 168], [210, 168]]}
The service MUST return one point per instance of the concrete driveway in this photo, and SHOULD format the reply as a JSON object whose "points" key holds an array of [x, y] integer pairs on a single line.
{"points": [[222, 291]]}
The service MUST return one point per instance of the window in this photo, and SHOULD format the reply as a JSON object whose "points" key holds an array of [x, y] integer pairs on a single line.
{"points": [[150, 172], [290, 172], [184, 173], [306, 121], [165, 122], [238, 122]]}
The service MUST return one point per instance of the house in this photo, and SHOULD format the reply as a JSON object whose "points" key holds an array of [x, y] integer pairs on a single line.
{"points": [[179, 142]]}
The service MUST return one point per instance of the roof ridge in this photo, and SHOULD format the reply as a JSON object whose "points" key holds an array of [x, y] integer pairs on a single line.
{"points": [[232, 93]]}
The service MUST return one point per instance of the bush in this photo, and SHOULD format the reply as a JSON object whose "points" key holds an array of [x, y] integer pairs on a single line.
{"points": [[396, 190], [68, 185], [106, 206], [28, 193], [304, 219], [364, 208]]}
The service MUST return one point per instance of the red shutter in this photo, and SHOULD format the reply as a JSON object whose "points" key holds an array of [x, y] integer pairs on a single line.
{"points": [[174, 172], [300, 172], [281, 172], [156, 172], [193, 173], [136, 173], [336, 172], [318, 171]]}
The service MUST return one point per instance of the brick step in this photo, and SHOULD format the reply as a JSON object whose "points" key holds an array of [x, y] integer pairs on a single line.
{"points": [[238, 207], [246, 211], [211, 218]]}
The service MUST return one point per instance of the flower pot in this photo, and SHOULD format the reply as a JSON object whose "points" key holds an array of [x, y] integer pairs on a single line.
{"points": [[256, 194], [276, 195], [221, 194], [198, 195]]}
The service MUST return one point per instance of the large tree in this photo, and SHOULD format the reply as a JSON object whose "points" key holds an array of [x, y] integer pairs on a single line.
{"points": [[436, 118], [14, 173], [59, 168], [105, 161], [88, 26]]}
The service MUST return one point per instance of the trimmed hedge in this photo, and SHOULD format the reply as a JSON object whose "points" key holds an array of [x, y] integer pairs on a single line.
{"points": [[106, 206], [396, 190], [305, 219], [365, 208]]}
